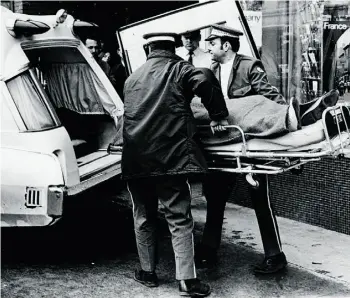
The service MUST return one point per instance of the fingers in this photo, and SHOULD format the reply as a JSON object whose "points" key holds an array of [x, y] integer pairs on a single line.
{"points": [[217, 128], [221, 128]]}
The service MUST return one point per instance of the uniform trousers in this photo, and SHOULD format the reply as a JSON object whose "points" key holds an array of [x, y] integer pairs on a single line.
{"points": [[173, 192], [217, 188]]}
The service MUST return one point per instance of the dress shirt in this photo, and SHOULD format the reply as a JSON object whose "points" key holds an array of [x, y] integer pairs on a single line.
{"points": [[225, 71], [199, 57]]}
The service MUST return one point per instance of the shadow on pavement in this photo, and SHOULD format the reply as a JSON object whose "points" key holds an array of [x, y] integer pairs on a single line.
{"points": [[92, 253], [93, 226]]}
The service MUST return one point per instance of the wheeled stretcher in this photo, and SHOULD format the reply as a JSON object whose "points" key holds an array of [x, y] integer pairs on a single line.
{"points": [[328, 137]]}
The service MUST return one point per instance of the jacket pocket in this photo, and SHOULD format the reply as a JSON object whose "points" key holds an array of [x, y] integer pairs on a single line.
{"points": [[244, 91]]}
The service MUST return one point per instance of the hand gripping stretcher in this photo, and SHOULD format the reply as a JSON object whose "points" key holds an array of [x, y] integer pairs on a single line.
{"points": [[328, 137]]}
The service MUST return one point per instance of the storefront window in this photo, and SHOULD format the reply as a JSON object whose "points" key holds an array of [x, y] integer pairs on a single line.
{"points": [[304, 44], [253, 13], [291, 52], [336, 41]]}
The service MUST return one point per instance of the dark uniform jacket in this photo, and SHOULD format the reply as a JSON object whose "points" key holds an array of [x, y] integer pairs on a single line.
{"points": [[247, 78], [104, 65], [159, 127]]}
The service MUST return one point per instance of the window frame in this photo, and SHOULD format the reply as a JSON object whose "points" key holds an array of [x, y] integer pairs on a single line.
{"points": [[41, 93]]}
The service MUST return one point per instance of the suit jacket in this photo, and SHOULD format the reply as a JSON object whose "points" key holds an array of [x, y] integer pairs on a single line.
{"points": [[248, 77]]}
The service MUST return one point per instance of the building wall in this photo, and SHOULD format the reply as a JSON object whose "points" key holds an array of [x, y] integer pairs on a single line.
{"points": [[319, 195], [8, 4]]}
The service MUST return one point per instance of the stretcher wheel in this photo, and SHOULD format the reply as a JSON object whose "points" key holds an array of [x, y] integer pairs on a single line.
{"points": [[253, 182]]}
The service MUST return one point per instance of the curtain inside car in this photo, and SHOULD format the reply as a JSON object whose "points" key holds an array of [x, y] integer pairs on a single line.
{"points": [[76, 87]]}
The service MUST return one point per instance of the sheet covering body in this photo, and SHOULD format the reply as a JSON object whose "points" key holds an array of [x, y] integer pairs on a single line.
{"points": [[258, 116]]}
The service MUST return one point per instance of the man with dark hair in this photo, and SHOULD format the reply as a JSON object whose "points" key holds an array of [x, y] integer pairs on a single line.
{"points": [[94, 47], [248, 71], [192, 52], [160, 153], [242, 76], [238, 73], [110, 64]]}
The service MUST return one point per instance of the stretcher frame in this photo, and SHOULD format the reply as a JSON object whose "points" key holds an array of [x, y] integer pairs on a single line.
{"points": [[275, 162]]}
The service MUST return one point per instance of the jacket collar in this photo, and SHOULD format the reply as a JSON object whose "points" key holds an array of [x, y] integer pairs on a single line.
{"points": [[163, 54], [235, 63], [216, 69]]}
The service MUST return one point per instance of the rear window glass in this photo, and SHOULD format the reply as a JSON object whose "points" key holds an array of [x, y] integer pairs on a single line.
{"points": [[29, 102]]}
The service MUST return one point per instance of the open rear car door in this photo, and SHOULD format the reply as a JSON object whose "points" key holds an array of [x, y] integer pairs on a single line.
{"points": [[225, 12], [59, 115]]}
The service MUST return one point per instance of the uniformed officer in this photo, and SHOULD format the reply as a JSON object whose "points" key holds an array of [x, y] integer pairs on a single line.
{"points": [[240, 76], [160, 152]]}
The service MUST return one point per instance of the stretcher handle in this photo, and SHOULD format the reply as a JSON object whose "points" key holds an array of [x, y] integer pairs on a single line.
{"points": [[338, 109], [244, 146], [346, 124]]}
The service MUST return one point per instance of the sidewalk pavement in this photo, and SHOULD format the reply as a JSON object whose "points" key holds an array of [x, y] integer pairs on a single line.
{"points": [[322, 252], [92, 254]]}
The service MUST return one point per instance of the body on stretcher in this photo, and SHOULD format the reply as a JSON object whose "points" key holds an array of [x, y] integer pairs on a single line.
{"points": [[328, 137]]}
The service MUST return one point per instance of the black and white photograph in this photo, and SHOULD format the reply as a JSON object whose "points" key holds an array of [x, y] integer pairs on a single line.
{"points": [[175, 149]]}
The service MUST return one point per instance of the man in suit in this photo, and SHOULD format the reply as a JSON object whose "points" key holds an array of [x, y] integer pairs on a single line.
{"points": [[94, 47], [110, 64], [191, 50]]}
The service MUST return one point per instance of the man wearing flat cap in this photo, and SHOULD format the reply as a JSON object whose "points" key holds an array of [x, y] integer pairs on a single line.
{"points": [[160, 152], [240, 76], [191, 51]]}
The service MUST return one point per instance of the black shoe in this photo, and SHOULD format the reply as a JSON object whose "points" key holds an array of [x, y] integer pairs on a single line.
{"points": [[194, 287], [206, 257], [312, 111], [147, 278], [271, 264]]}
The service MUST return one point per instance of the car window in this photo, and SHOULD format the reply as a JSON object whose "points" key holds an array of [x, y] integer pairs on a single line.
{"points": [[29, 102]]}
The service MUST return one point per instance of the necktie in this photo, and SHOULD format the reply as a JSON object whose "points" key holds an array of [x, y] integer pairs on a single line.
{"points": [[190, 57]]}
